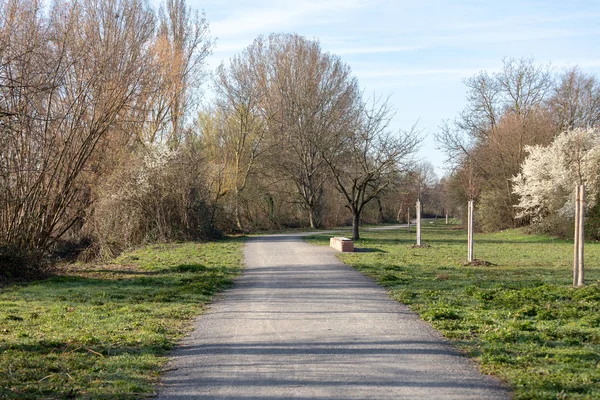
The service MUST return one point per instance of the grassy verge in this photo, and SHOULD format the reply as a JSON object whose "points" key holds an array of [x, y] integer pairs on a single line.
{"points": [[103, 331], [519, 318]]}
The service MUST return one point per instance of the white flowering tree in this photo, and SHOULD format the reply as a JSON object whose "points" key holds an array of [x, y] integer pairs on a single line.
{"points": [[549, 175]]}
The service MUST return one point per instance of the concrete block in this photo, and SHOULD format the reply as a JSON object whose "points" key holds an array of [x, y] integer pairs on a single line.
{"points": [[342, 244]]}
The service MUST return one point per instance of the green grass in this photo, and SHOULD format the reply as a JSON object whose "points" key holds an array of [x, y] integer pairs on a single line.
{"points": [[519, 318], [102, 332]]}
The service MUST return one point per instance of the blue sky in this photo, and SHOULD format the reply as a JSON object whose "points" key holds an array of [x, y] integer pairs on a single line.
{"points": [[418, 52]]}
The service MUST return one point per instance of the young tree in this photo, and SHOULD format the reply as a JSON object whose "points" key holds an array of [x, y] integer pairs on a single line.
{"points": [[364, 158]]}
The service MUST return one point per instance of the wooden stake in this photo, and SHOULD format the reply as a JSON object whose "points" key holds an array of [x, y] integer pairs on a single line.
{"points": [[576, 240], [470, 231], [418, 210], [579, 239], [580, 276]]}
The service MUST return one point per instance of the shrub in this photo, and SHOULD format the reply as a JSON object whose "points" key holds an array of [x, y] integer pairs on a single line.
{"points": [[18, 263], [495, 212], [159, 194], [546, 184]]}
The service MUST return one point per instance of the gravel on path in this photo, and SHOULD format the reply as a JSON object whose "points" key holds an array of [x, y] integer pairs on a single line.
{"points": [[300, 324]]}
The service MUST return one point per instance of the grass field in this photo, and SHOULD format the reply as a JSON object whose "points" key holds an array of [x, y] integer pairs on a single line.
{"points": [[102, 332], [519, 318]]}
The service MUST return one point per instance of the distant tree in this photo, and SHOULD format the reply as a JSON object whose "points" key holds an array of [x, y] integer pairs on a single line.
{"points": [[425, 178], [575, 101], [241, 132]]}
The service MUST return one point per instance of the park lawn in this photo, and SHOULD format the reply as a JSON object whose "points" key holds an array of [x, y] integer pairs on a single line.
{"points": [[519, 318], [103, 331]]}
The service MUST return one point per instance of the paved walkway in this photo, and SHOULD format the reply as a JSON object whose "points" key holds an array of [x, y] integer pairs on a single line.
{"points": [[300, 324]]}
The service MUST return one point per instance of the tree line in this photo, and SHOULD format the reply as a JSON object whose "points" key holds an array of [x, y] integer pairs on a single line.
{"points": [[106, 142], [521, 145]]}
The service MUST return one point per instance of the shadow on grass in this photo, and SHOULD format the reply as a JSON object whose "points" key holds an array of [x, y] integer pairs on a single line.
{"points": [[459, 240], [182, 283], [368, 250], [101, 336]]}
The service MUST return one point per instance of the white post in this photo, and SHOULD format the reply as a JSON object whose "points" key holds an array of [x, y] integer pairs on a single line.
{"points": [[446, 218], [418, 210], [470, 231], [408, 217]]}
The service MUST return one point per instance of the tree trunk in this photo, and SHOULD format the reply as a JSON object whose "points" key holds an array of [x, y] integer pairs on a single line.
{"points": [[578, 264], [381, 215], [576, 239], [418, 211], [580, 275], [238, 218], [313, 219], [355, 225]]}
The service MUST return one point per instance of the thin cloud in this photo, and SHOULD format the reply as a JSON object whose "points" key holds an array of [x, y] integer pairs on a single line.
{"points": [[582, 63], [482, 37], [275, 16], [379, 73], [377, 49], [522, 20]]}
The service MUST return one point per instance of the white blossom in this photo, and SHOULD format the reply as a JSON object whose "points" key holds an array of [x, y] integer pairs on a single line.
{"points": [[157, 157], [549, 175]]}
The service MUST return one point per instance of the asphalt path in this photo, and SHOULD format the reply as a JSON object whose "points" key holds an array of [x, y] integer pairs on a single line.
{"points": [[300, 324]]}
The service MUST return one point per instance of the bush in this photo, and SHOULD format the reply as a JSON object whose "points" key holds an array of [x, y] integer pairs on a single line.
{"points": [[495, 212], [157, 195], [18, 263], [546, 184]]}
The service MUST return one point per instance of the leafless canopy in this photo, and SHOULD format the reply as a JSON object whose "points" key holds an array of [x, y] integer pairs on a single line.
{"points": [[365, 159]]}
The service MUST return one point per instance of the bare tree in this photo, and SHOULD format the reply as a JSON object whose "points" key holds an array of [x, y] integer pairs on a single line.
{"points": [[520, 88], [575, 102], [241, 133], [179, 54], [485, 144], [364, 160], [68, 77]]}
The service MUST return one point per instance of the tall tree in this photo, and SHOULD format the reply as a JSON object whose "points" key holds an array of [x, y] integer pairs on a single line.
{"points": [[506, 111], [311, 96], [240, 89], [179, 51]]}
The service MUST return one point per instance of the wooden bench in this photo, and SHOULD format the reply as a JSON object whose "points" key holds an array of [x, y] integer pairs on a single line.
{"points": [[342, 244]]}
